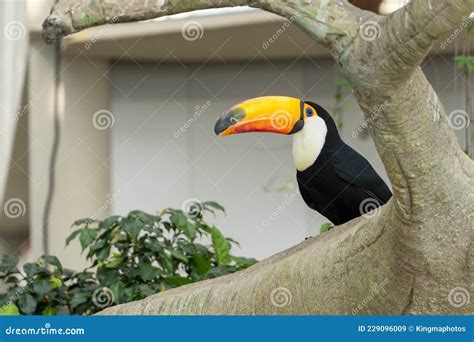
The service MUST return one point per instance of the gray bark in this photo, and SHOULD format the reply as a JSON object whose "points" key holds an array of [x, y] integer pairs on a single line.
{"points": [[416, 255]]}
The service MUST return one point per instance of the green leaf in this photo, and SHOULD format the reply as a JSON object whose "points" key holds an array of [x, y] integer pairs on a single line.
{"points": [[325, 227], [79, 298], [114, 263], [107, 277], [52, 260], [118, 290], [9, 310], [178, 255], [42, 286], [213, 205], [132, 225], [72, 236], [103, 253], [147, 271], [8, 263], [202, 265], [110, 222], [189, 230], [177, 281], [49, 311], [62, 311], [244, 262], [178, 219], [27, 303], [84, 221], [56, 282], [221, 247], [32, 269], [87, 237]]}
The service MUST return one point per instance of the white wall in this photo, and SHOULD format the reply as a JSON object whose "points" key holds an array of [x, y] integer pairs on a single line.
{"points": [[153, 169]]}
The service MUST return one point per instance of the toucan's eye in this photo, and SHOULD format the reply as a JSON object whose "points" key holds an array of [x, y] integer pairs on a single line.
{"points": [[309, 112]]}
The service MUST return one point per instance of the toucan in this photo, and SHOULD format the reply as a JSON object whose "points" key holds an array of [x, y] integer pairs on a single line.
{"points": [[333, 179]]}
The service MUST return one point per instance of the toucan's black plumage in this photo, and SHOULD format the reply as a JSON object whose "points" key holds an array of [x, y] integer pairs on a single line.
{"points": [[333, 179], [340, 179]]}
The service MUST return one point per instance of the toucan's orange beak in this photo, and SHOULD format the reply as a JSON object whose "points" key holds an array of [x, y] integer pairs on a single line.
{"points": [[275, 114]]}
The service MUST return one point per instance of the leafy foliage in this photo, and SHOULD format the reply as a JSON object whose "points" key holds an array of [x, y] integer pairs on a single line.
{"points": [[130, 258], [466, 63]]}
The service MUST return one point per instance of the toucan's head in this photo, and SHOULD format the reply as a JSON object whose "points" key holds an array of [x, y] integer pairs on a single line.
{"points": [[311, 125], [274, 114]]}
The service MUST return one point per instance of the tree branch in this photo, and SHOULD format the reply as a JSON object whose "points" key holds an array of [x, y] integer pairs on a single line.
{"points": [[324, 20], [413, 29]]}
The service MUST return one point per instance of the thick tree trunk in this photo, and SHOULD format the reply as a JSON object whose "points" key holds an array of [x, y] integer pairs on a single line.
{"points": [[416, 255]]}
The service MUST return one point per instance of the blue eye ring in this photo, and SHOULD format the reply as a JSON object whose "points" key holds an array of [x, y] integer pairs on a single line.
{"points": [[309, 112]]}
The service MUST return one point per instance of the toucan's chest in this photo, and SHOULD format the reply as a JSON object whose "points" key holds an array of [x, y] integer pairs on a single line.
{"points": [[324, 191], [308, 143]]}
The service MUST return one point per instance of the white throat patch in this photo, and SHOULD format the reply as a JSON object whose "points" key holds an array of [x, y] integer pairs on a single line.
{"points": [[308, 143]]}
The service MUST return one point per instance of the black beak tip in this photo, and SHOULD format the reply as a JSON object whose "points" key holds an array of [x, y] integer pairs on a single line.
{"points": [[219, 126]]}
